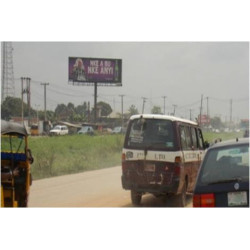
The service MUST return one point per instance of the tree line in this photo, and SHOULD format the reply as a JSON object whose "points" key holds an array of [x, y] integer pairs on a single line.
{"points": [[12, 107]]}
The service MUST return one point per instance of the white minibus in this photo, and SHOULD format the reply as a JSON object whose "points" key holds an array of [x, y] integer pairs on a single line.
{"points": [[161, 156]]}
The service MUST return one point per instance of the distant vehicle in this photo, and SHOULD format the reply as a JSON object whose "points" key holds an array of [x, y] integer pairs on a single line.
{"points": [[223, 179], [59, 130], [34, 129], [87, 130], [246, 133], [161, 156], [118, 130]]}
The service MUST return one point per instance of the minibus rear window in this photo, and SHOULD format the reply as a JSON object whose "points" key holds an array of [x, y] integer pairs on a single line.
{"points": [[153, 134]]}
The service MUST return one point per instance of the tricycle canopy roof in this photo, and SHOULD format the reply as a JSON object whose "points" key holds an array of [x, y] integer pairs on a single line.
{"points": [[12, 128]]}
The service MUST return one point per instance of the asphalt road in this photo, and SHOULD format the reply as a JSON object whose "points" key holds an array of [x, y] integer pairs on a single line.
{"points": [[99, 188]]}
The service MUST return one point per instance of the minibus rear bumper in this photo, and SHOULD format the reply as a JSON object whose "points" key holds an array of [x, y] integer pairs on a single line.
{"points": [[152, 187]]}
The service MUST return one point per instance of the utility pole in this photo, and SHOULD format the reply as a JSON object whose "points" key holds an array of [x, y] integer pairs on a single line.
{"points": [[22, 92], [207, 118], [122, 107], [201, 109], [25, 90], [190, 112], [45, 115], [88, 111], [231, 111], [143, 104], [37, 119], [174, 109], [28, 97], [164, 108]]}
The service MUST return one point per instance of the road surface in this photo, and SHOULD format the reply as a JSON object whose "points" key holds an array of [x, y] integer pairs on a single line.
{"points": [[99, 188]]}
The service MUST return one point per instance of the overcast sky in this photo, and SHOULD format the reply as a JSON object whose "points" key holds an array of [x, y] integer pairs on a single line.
{"points": [[181, 71]]}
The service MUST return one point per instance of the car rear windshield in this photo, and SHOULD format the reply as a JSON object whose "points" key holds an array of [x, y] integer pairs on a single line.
{"points": [[225, 164], [154, 134]]}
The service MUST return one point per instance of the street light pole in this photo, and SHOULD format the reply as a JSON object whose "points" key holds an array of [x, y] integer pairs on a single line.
{"points": [[143, 104]]}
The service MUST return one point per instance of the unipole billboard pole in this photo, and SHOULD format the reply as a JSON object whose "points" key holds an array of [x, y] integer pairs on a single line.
{"points": [[95, 102]]}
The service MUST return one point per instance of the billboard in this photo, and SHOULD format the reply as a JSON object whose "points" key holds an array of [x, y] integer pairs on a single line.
{"points": [[204, 119], [95, 70]]}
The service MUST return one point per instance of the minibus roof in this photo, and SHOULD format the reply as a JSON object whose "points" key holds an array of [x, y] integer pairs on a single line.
{"points": [[163, 117]]}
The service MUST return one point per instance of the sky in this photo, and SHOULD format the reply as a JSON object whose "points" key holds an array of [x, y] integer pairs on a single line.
{"points": [[188, 74]]}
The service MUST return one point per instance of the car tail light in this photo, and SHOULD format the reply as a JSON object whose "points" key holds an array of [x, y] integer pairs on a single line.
{"points": [[203, 200]]}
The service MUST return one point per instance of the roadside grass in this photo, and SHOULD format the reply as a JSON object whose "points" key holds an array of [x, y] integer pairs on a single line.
{"points": [[61, 155], [211, 136]]}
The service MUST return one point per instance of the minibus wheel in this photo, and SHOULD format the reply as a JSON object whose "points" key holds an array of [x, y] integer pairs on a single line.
{"points": [[136, 197], [181, 198]]}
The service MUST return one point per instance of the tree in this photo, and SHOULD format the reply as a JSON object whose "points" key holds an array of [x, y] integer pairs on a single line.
{"points": [[156, 110], [133, 110], [105, 108], [81, 109], [216, 122], [61, 111], [12, 106]]}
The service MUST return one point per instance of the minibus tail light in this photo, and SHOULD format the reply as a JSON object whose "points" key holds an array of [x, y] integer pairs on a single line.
{"points": [[178, 159], [177, 167], [124, 165], [123, 157]]}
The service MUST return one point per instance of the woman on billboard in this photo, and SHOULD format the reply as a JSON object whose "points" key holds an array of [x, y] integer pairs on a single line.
{"points": [[79, 70]]}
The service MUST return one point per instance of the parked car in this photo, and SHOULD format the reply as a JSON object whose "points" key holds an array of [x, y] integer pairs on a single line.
{"points": [[223, 179], [88, 130], [118, 130], [59, 130]]}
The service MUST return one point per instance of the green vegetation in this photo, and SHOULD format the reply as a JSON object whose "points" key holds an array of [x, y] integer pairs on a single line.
{"points": [[54, 156], [60, 155], [211, 136]]}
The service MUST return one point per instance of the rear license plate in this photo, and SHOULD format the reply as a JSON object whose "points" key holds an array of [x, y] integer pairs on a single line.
{"points": [[237, 199], [149, 167]]}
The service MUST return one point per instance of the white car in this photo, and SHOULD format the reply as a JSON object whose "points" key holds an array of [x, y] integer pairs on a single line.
{"points": [[59, 130], [86, 130]]}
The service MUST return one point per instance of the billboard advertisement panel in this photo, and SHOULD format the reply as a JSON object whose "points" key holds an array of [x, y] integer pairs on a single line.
{"points": [[99, 70], [204, 119]]}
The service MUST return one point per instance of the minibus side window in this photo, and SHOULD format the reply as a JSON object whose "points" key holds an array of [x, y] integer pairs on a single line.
{"points": [[194, 138], [185, 138], [200, 139], [188, 137]]}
